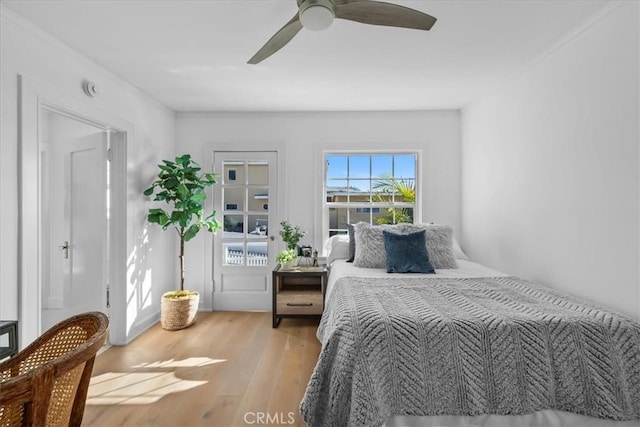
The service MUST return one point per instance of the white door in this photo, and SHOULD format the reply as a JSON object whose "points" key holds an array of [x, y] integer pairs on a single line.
{"points": [[74, 219], [244, 250]]}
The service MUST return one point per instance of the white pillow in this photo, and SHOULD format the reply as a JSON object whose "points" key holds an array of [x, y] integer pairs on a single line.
{"points": [[457, 251], [331, 241], [339, 250]]}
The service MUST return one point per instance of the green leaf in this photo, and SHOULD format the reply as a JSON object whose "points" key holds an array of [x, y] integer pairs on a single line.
{"points": [[171, 183], [183, 160], [163, 195], [198, 197], [149, 191], [183, 190], [191, 232], [179, 217], [158, 216], [212, 224]]}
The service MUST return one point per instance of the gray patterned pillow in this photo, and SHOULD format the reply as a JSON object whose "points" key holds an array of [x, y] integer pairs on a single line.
{"points": [[439, 243], [370, 250]]}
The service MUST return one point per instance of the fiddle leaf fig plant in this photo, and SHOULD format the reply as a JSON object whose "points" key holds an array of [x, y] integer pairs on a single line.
{"points": [[180, 184]]}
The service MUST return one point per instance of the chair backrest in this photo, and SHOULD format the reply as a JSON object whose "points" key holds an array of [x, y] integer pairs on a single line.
{"points": [[46, 383]]}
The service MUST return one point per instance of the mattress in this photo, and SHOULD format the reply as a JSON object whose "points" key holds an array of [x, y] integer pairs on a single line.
{"points": [[467, 270]]}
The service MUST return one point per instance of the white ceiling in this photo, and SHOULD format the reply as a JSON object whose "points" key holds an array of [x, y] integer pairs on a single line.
{"points": [[191, 55]]}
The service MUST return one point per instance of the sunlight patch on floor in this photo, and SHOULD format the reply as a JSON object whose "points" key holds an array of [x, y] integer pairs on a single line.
{"points": [[146, 387], [191, 362]]}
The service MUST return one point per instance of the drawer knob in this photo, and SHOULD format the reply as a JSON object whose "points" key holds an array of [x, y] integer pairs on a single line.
{"points": [[299, 304]]}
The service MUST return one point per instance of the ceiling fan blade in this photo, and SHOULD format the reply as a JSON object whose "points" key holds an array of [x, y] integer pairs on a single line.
{"points": [[279, 39], [387, 14]]}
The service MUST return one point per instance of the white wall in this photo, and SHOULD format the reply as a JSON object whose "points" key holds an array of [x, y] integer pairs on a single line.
{"points": [[303, 137], [28, 51], [551, 168]]}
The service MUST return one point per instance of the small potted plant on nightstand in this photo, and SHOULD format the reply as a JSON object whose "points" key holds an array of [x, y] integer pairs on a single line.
{"points": [[287, 258], [181, 185], [291, 235]]}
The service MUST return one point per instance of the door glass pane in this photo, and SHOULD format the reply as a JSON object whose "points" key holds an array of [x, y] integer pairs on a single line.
{"points": [[257, 253], [258, 198], [258, 173], [233, 172], [233, 253], [257, 227], [233, 226], [233, 198]]}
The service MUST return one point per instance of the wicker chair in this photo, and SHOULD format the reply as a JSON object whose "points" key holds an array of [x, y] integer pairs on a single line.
{"points": [[46, 383]]}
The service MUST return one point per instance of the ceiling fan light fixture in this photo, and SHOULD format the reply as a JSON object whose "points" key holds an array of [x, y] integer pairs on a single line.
{"points": [[317, 15]]}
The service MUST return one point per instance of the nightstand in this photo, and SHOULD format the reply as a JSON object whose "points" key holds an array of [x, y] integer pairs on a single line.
{"points": [[298, 292], [8, 338]]}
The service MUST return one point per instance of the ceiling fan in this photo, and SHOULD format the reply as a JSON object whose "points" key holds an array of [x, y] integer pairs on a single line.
{"points": [[319, 14]]}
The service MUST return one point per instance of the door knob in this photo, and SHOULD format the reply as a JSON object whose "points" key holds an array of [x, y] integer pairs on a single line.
{"points": [[272, 238], [65, 249]]}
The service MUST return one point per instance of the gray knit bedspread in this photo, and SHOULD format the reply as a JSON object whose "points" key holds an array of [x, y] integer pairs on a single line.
{"points": [[468, 347]]}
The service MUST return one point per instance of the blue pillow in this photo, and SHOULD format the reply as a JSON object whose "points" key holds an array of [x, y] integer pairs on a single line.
{"points": [[407, 253]]}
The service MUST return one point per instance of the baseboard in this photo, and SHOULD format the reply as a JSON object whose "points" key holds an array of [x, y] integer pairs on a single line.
{"points": [[54, 303], [139, 328]]}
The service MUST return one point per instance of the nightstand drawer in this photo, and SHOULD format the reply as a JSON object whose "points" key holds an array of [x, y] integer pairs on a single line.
{"points": [[299, 302]]}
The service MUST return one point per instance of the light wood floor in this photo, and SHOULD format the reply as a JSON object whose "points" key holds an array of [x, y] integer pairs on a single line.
{"points": [[226, 370]]}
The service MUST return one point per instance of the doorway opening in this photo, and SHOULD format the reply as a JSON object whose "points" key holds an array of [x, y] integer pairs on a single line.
{"points": [[40, 103], [74, 216]]}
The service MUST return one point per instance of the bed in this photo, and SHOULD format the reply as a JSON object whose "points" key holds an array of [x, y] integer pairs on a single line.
{"points": [[467, 346]]}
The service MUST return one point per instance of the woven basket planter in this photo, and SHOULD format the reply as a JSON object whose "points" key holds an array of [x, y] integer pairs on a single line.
{"points": [[178, 313]]}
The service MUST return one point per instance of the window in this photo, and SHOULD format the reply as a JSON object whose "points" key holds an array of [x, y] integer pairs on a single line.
{"points": [[232, 174], [376, 188], [231, 206], [367, 210]]}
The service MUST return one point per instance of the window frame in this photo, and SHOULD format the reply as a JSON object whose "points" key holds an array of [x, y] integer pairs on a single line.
{"points": [[416, 206]]}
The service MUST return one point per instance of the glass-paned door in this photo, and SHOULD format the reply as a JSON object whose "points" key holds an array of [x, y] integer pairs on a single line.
{"points": [[244, 250]]}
